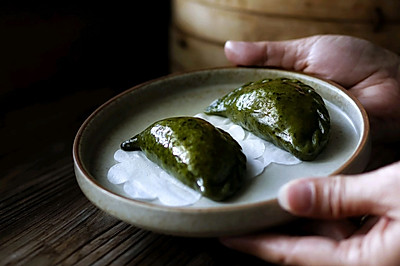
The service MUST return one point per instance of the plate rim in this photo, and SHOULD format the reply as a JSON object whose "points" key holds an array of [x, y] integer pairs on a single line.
{"points": [[364, 139]]}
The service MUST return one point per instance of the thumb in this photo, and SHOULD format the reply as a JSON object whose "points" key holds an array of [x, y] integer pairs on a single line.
{"points": [[374, 193], [285, 54]]}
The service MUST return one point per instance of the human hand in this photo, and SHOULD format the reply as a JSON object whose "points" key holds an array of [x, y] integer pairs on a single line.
{"points": [[372, 75], [377, 242], [369, 72]]}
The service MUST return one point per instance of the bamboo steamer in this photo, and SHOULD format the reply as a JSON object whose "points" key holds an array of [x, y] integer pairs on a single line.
{"points": [[201, 27], [338, 9], [189, 53]]}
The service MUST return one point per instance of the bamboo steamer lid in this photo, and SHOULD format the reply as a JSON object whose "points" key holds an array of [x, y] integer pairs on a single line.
{"points": [[201, 27], [364, 10]]}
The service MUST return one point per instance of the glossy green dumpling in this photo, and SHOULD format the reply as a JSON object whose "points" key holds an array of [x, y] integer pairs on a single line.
{"points": [[200, 155], [284, 111]]}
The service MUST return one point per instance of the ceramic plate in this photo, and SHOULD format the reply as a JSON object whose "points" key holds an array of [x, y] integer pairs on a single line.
{"points": [[253, 208]]}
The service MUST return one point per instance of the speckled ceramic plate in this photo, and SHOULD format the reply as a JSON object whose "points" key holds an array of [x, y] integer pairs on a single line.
{"points": [[253, 208]]}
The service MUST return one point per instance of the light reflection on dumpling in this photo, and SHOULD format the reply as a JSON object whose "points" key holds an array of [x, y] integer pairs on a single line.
{"points": [[146, 181]]}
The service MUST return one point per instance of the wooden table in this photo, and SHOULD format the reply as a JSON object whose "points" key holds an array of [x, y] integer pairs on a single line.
{"points": [[44, 217]]}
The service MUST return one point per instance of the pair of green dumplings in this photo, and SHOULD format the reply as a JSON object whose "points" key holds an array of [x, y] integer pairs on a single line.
{"points": [[284, 111]]}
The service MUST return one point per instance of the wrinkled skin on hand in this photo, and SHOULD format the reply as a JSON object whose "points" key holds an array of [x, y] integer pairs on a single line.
{"points": [[195, 152], [329, 238], [284, 111], [369, 72]]}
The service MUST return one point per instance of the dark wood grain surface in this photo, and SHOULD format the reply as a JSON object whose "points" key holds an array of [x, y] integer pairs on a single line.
{"points": [[46, 220]]}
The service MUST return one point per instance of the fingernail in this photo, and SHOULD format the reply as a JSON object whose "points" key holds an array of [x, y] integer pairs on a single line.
{"points": [[297, 197], [231, 44], [234, 47], [238, 47], [228, 45]]}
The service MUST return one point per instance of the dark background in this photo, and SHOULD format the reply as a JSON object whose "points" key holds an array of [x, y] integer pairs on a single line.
{"points": [[61, 60], [48, 48]]}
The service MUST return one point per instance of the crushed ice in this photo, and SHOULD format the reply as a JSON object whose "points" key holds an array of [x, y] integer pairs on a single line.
{"points": [[146, 181]]}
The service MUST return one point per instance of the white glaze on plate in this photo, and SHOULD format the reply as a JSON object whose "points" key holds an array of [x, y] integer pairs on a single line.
{"points": [[255, 207]]}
